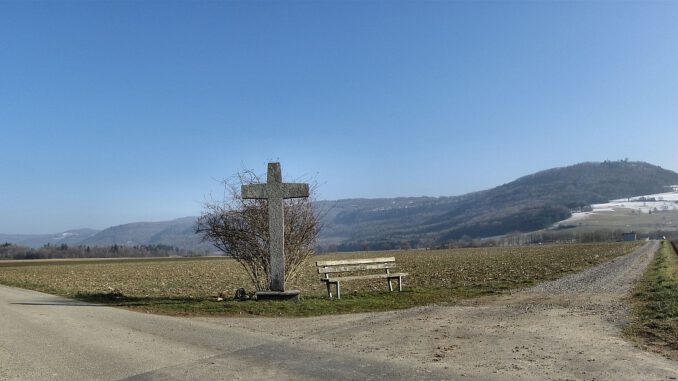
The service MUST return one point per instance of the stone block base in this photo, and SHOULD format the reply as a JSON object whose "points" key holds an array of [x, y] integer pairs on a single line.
{"points": [[292, 295]]}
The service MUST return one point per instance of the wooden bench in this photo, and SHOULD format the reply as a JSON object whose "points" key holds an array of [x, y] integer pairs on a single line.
{"points": [[330, 270]]}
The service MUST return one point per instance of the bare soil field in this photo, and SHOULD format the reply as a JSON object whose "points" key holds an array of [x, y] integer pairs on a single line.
{"points": [[190, 286], [568, 329]]}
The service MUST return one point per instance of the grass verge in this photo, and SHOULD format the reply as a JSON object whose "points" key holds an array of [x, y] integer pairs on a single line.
{"points": [[654, 318], [191, 287]]}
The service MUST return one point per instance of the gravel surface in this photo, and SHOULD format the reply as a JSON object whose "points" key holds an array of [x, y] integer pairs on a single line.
{"points": [[614, 277]]}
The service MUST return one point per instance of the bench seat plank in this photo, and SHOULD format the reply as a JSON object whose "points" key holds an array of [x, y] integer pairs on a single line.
{"points": [[369, 276]]}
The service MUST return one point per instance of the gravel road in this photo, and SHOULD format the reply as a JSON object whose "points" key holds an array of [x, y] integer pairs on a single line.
{"points": [[614, 278], [563, 330], [44, 337]]}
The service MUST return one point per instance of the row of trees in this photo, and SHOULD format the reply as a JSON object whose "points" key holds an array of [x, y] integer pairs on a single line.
{"points": [[515, 239], [601, 235], [11, 251]]}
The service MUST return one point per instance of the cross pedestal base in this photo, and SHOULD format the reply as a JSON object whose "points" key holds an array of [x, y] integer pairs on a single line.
{"points": [[292, 295]]}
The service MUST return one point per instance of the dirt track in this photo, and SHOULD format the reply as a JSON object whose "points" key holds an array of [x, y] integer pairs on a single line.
{"points": [[569, 329]]}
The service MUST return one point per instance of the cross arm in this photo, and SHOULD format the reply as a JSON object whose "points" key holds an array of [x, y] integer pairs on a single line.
{"points": [[253, 191], [295, 190]]}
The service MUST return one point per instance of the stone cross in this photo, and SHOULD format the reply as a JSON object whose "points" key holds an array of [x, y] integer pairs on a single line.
{"points": [[275, 191]]}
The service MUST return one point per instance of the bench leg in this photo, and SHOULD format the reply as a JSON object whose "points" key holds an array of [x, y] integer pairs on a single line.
{"points": [[329, 289], [400, 283], [338, 291], [390, 286]]}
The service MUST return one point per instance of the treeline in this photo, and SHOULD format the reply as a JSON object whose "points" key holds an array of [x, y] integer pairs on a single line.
{"points": [[556, 236], [515, 239], [530, 218], [11, 251]]}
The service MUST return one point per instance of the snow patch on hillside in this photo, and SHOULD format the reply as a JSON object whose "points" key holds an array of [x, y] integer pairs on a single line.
{"points": [[65, 235], [661, 202]]}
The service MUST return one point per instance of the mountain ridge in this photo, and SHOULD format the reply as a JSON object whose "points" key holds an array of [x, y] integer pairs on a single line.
{"points": [[529, 203]]}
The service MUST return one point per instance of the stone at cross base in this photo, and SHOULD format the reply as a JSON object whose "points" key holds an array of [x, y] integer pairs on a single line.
{"points": [[274, 191]]}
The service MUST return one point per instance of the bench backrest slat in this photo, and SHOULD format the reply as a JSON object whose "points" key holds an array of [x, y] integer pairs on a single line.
{"points": [[361, 261], [347, 268], [350, 265]]}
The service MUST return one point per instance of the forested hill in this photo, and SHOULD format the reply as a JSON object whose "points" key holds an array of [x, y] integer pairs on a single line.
{"points": [[526, 204], [177, 233]]}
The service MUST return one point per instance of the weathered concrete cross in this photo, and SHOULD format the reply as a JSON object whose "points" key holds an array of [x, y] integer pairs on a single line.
{"points": [[275, 191]]}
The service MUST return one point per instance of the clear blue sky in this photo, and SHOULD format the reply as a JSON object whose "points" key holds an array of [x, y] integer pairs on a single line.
{"points": [[124, 111]]}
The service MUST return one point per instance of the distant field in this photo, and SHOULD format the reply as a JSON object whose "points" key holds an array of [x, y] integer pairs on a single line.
{"points": [[645, 214], [625, 220], [190, 286]]}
